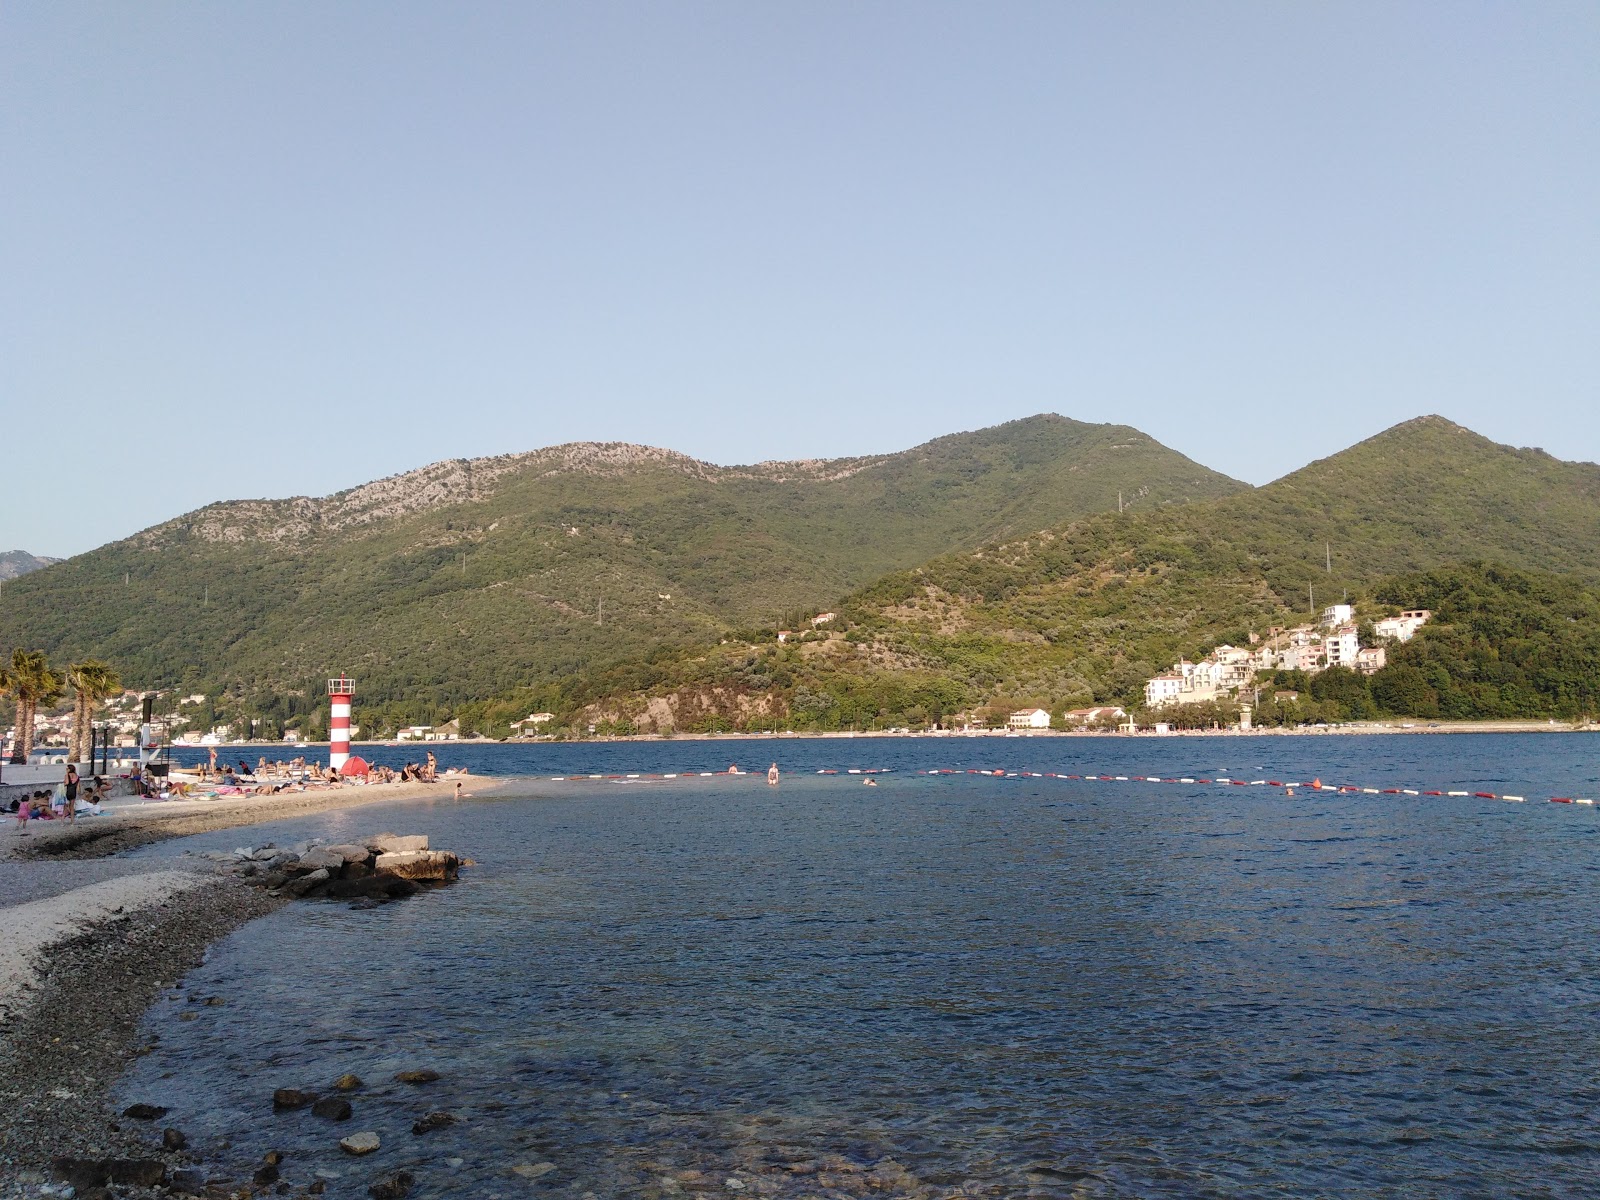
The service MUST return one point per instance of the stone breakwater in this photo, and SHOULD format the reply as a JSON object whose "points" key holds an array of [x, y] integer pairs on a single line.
{"points": [[385, 866]]}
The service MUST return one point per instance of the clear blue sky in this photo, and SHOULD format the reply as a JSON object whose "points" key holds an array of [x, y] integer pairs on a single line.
{"points": [[254, 249]]}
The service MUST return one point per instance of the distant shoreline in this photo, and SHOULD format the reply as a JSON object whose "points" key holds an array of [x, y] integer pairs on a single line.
{"points": [[1383, 728]]}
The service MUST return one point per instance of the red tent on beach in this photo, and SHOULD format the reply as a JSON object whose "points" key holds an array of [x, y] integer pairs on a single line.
{"points": [[355, 765]]}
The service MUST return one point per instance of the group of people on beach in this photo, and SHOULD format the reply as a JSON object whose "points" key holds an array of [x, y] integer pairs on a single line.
{"points": [[61, 803], [72, 795]]}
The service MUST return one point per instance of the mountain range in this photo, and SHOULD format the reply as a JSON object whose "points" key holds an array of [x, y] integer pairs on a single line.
{"points": [[469, 577], [1044, 557], [16, 563]]}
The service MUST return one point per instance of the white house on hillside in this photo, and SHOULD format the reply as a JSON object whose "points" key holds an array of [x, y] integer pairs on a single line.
{"points": [[1338, 614], [1029, 718], [1162, 689], [1341, 646], [1403, 627], [1093, 716]]}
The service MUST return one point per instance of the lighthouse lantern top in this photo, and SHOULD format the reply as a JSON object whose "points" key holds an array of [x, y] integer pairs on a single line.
{"points": [[341, 687]]}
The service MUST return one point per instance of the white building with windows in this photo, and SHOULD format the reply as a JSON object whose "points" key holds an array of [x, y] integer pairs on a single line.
{"points": [[1341, 646], [1163, 689], [1029, 718], [1338, 614], [1404, 627]]}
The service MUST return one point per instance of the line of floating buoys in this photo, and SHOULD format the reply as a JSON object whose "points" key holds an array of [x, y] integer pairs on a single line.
{"points": [[1315, 785]]}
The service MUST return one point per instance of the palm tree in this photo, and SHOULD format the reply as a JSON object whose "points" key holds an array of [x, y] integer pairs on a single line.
{"points": [[31, 680], [92, 682]]}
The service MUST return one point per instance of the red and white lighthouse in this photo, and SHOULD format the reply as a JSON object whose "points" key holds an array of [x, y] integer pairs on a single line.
{"points": [[340, 691]]}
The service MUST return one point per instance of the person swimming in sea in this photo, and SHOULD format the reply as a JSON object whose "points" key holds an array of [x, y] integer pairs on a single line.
{"points": [[772, 775]]}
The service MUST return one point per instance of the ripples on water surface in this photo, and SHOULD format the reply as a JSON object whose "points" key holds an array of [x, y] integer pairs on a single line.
{"points": [[940, 987]]}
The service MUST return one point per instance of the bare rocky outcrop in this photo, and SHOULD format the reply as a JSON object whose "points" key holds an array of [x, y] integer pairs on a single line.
{"points": [[461, 481]]}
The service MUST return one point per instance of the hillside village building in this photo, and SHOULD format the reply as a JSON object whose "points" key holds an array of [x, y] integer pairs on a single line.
{"points": [[1029, 718], [1335, 642], [1096, 716], [1340, 647], [1403, 627]]}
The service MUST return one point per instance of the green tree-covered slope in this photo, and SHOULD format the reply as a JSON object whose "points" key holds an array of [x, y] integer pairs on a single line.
{"points": [[468, 579], [1086, 611]]}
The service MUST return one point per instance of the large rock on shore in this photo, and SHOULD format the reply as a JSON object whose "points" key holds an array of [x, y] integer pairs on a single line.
{"points": [[418, 864], [321, 859], [391, 843], [386, 866]]}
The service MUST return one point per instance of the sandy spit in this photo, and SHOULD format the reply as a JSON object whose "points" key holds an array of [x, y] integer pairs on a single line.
{"points": [[139, 824]]}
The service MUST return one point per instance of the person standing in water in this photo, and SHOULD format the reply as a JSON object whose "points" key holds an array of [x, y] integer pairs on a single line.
{"points": [[772, 775]]}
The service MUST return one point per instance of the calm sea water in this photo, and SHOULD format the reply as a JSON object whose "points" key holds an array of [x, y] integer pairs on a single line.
{"points": [[939, 986]]}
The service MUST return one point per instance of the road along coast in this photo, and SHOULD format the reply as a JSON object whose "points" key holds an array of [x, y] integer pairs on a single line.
{"points": [[89, 946]]}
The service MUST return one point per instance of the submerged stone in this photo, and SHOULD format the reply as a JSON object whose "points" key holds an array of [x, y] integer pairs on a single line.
{"points": [[360, 1143]]}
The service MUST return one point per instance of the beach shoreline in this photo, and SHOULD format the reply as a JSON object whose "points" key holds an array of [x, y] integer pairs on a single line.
{"points": [[1345, 730], [75, 990], [128, 824]]}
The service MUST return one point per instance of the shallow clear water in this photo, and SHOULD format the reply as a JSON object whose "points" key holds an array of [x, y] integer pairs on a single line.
{"points": [[941, 986]]}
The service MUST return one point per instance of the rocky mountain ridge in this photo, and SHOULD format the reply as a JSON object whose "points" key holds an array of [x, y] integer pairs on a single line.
{"points": [[16, 563]]}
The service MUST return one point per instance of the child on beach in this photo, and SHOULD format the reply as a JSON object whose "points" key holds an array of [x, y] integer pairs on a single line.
{"points": [[25, 811]]}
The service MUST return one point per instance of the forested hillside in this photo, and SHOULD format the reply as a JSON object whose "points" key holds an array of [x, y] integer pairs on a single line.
{"points": [[1085, 612], [469, 579]]}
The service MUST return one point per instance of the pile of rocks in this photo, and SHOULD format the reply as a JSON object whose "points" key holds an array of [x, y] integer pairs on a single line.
{"points": [[385, 866]]}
